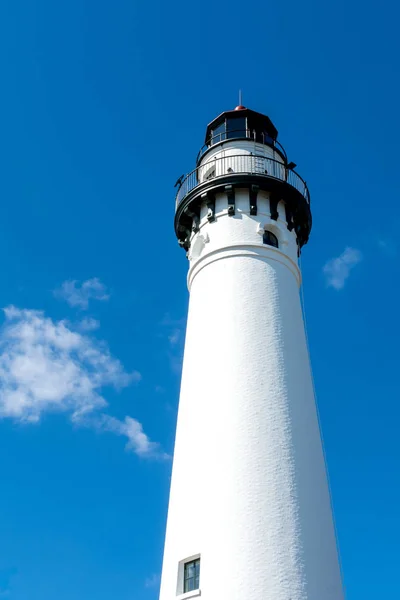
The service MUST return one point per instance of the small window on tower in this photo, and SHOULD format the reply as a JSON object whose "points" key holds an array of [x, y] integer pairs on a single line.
{"points": [[270, 239], [191, 576]]}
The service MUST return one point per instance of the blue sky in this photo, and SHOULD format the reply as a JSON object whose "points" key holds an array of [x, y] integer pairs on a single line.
{"points": [[103, 106]]}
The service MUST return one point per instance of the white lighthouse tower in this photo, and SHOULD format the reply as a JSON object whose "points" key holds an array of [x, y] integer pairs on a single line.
{"points": [[249, 513]]}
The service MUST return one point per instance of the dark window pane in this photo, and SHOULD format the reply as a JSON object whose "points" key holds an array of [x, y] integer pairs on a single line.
{"points": [[218, 134], [190, 570], [192, 576], [236, 128], [264, 138], [268, 139], [190, 585], [270, 239]]}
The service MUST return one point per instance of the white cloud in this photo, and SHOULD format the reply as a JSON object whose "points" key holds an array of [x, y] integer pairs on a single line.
{"points": [[337, 270], [77, 294], [138, 442], [46, 366]]}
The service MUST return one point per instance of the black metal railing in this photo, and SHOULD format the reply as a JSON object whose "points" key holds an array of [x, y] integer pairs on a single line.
{"points": [[235, 134], [245, 164]]}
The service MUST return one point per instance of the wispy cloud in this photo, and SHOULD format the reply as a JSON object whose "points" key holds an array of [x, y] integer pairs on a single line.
{"points": [[175, 336], [174, 331], [337, 270], [138, 442], [47, 366], [88, 324], [388, 247], [153, 581], [78, 294], [6, 576]]}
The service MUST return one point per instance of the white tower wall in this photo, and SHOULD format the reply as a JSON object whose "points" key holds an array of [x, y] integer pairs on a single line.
{"points": [[249, 493]]}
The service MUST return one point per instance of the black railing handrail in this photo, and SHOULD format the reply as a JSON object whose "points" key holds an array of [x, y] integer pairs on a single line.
{"points": [[251, 134], [280, 170]]}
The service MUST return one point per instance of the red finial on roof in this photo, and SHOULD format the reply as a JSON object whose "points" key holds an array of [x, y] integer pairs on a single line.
{"points": [[240, 107]]}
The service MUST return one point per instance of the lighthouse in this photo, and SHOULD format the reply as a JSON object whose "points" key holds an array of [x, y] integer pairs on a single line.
{"points": [[250, 514]]}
